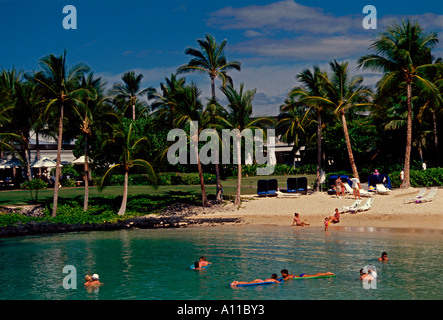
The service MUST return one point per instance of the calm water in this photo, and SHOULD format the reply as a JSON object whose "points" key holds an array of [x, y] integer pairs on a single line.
{"points": [[154, 264]]}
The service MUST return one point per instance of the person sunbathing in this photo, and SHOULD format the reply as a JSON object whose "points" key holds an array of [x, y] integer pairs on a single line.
{"points": [[272, 279], [286, 276]]}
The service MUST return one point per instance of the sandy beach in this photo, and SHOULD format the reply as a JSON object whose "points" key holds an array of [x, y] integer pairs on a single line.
{"points": [[388, 211]]}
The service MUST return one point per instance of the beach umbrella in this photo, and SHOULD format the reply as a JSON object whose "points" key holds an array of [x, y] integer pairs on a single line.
{"points": [[81, 160], [44, 163], [10, 164]]}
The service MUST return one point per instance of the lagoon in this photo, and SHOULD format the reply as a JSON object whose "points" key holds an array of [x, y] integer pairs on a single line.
{"points": [[155, 264]]}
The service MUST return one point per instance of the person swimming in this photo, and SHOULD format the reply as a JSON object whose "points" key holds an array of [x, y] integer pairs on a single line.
{"points": [[384, 257], [272, 279], [203, 262], [286, 276]]}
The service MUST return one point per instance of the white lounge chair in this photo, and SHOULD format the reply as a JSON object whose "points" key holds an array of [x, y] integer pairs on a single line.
{"points": [[365, 207], [352, 206], [381, 189], [429, 197], [363, 192], [420, 195]]}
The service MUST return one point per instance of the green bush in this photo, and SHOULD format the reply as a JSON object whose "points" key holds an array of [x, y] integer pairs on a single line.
{"points": [[420, 178], [34, 184], [164, 179]]}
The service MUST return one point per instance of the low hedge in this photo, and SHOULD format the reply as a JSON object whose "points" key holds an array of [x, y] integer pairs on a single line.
{"points": [[420, 178], [163, 179]]}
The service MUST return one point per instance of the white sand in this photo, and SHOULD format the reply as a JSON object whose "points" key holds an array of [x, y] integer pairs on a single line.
{"points": [[388, 211]]}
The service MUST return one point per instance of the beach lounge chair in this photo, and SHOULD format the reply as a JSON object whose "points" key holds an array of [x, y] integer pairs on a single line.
{"points": [[364, 207], [262, 188], [420, 195], [352, 206], [302, 185], [291, 185], [381, 189], [429, 197], [272, 187], [363, 192]]}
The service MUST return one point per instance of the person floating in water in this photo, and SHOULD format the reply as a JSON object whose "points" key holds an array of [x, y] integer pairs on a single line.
{"points": [[384, 257], [364, 275], [298, 222], [92, 280], [272, 279], [203, 262], [286, 276]]}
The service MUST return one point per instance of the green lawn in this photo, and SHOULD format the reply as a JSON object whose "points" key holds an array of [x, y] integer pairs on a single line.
{"points": [[249, 186]]}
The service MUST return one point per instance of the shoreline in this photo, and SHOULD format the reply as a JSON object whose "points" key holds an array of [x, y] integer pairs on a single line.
{"points": [[388, 212]]}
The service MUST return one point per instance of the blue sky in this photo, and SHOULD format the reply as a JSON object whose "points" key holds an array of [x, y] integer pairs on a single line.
{"points": [[274, 40]]}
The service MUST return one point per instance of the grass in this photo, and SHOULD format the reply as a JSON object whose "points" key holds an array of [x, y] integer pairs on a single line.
{"points": [[249, 186]]}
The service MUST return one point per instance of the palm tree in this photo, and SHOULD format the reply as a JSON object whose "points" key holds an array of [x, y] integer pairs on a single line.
{"points": [[401, 53], [211, 60], [292, 120], [127, 144], [343, 93], [129, 91], [189, 109], [62, 90], [434, 101], [311, 87], [239, 111], [165, 102]]}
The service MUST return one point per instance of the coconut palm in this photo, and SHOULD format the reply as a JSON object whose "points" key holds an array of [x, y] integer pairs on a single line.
{"points": [[292, 121], [239, 111], [127, 144], [128, 92], [165, 102], [402, 53], [343, 93], [211, 60], [61, 90], [190, 109], [311, 87]]}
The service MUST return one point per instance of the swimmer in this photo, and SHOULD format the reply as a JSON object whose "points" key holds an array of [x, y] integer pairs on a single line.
{"points": [[297, 221], [95, 281], [365, 276], [88, 280], [272, 279], [286, 276], [203, 262], [384, 257]]}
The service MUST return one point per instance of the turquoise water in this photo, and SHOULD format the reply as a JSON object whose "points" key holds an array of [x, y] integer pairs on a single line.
{"points": [[155, 264]]}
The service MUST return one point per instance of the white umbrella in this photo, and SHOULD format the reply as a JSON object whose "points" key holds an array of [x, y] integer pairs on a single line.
{"points": [[10, 164], [44, 163], [81, 160]]}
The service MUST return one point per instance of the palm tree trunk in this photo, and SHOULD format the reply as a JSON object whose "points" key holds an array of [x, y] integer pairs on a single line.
{"points": [[406, 181], [202, 183], [349, 147], [86, 166], [122, 210], [434, 120], [57, 166], [133, 111], [218, 186], [317, 178], [238, 191]]}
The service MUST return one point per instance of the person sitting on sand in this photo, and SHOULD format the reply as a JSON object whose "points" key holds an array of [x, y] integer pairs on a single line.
{"points": [[203, 262], [384, 257], [297, 221], [272, 279], [286, 276], [336, 217]]}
